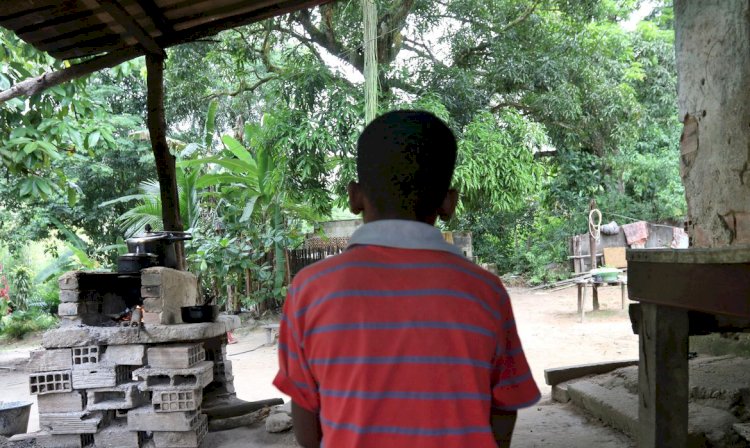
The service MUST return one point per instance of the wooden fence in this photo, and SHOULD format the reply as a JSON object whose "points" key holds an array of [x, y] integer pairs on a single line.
{"points": [[299, 258]]}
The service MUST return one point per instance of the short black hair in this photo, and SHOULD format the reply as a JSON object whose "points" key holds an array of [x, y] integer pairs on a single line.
{"points": [[405, 162]]}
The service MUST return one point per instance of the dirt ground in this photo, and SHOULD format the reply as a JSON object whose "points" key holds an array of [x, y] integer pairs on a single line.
{"points": [[550, 331]]}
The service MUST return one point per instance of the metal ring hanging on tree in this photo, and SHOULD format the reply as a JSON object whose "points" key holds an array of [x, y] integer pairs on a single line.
{"points": [[595, 227]]}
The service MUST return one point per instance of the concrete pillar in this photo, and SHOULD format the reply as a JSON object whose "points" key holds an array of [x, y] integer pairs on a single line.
{"points": [[713, 65]]}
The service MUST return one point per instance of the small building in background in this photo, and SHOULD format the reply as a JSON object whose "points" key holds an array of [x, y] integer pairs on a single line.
{"points": [[637, 235], [332, 237]]}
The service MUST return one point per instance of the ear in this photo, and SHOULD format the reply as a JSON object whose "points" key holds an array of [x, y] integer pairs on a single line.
{"points": [[356, 198], [448, 206]]}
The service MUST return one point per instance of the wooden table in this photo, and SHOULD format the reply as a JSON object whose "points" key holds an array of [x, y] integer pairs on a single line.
{"points": [[584, 284], [668, 283]]}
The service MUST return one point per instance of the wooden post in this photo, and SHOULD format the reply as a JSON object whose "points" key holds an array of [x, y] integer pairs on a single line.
{"points": [[165, 162], [592, 249], [663, 377], [370, 23]]}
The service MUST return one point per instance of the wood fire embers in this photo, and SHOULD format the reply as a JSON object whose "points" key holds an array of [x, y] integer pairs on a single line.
{"points": [[93, 298], [196, 377]]}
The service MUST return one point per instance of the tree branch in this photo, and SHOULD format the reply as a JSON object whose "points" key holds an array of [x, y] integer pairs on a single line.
{"points": [[50, 79], [462, 59], [329, 42], [389, 31], [241, 89], [422, 50]]}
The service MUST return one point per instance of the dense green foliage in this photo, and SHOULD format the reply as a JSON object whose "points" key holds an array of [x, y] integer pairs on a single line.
{"points": [[553, 102]]}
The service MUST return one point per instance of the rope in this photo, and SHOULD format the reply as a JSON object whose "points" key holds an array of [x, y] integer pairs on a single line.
{"points": [[595, 227]]}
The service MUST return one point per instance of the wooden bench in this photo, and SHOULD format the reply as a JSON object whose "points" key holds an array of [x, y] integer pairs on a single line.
{"points": [[270, 329], [584, 284]]}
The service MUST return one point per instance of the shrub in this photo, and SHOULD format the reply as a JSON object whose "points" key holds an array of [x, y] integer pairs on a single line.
{"points": [[22, 288], [20, 323]]}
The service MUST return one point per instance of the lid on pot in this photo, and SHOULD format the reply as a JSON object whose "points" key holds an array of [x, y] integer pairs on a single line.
{"points": [[167, 235], [138, 256]]}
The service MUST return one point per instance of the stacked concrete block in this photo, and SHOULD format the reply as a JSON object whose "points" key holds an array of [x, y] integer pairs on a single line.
{"points": [[223, 384], [177, 400], [145, 418], [50, 371], [183, 439], [50, 382], [175, 376], [118, 435], [164, 292], [72, 422], [122, 397], [196, 377], [89, 373], [44, 439], [119, 387], [80, 390], [177, 356], [125, 355], [73, 401]]}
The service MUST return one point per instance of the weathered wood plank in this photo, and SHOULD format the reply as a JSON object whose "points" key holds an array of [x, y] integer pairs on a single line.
{"points": [[123, 17], [663, 377], [558, 375], [716, 255], [710, 288]]}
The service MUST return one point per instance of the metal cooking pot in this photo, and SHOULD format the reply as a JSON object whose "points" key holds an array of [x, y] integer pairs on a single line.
{"points": [[135, 262], [159, 243]]}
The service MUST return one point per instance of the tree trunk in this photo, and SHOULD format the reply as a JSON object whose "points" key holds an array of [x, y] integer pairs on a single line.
{"points": [[713, 68], [166, 170], [370, 22]]}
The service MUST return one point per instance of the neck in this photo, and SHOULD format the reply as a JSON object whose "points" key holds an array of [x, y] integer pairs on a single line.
{"points": [[370, 215]]}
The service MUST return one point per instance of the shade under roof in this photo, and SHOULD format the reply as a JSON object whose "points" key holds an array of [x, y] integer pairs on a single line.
{"points": [[78, 28]]}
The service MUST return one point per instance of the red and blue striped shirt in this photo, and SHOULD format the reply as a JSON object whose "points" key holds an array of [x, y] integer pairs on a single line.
{"points": [[401, 342]]}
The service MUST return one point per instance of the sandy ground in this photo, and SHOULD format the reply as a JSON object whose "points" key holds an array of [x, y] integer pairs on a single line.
{"points": [[550, 331]]}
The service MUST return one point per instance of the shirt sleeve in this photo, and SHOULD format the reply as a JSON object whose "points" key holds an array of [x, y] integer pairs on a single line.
{"points": [[294, 377], [513, 387]]}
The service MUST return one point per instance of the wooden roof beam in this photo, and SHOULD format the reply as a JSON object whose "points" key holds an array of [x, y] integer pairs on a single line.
{"points": [[123, 17], [212, 28], [160, 20]]}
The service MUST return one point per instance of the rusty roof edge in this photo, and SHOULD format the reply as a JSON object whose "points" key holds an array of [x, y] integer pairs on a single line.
{"points": [[43, 82]]}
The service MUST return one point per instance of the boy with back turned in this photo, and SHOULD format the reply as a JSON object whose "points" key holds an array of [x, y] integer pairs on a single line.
{"points": [[400, 341]]}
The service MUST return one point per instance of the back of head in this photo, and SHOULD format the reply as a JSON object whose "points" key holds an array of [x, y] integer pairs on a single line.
{"points": [[405, 162]]}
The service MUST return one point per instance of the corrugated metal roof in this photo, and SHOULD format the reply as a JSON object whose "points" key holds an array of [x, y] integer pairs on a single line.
{"points": [[69, 29]]}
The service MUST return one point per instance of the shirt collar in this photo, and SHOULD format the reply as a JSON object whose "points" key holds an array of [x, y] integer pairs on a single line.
{"points": [[402, 234]]}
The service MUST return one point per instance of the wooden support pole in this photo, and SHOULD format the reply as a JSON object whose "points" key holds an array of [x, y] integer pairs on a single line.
{"points": [[166, 170], [663, 377], [592, 251]]}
